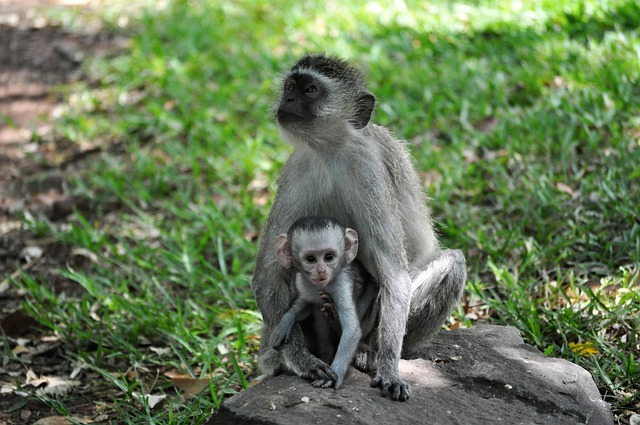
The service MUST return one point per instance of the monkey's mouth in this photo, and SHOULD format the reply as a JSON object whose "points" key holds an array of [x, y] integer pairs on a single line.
{"points": [[320, 281], [285, 117]]}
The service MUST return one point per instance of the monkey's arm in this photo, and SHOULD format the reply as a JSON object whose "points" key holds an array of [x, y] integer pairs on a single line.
{"points": [[282, 333], [350, 338]]}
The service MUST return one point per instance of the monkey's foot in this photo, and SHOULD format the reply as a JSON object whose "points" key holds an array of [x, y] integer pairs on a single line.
{"points": [[319, 371], [324, 383], [392, 386]]}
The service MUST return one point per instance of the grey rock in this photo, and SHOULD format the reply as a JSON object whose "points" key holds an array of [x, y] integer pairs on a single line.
{"points": [[482, 375]]}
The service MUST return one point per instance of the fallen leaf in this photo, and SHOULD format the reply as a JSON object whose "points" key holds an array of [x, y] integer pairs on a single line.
{"points": [[222, 349], [31, 376], [190, 386], [79, 367], [51, 385], [61, 420], [500, 153], [260, 182], [558, 83], [565, 188], [431, 178], [20, 349], [151, 400], [57, 386], [487, 125], [6, 389], [79, 253], [584, 349], [31, 253], [160, 351], [470, 156]]}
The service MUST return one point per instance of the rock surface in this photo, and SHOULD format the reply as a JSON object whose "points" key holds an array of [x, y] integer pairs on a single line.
{"points": [[482, 375]]}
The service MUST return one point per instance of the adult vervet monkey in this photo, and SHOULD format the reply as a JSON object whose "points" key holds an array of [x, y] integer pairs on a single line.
{"points": [[345, 167]]}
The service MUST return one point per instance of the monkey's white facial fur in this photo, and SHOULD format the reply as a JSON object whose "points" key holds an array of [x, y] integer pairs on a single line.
{"points": [[320, 265], [318, 251]]}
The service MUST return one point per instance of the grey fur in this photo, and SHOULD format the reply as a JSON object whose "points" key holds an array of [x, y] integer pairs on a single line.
{"points": [[365, 179]]}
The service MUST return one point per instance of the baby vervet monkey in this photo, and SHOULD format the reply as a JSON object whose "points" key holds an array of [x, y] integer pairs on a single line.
{"points": [[321, 251]]}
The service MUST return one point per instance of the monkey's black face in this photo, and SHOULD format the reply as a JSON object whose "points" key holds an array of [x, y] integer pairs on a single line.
{"points": [[301, 96]]}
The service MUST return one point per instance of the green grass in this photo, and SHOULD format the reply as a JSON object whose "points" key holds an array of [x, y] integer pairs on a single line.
{"points": [[522, 116]]}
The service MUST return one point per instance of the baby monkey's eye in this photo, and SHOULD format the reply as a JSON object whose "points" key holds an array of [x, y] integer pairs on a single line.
{"points": [[329, 256], [310, 259]]}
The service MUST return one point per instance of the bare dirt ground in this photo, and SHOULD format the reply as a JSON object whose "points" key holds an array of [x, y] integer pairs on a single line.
{"points": [[37, 58]]}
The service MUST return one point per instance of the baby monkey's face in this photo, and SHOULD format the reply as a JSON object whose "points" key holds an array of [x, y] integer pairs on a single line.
{"points": [[319, 265]]}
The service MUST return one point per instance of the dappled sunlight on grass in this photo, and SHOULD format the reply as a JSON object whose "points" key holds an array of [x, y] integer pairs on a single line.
{"points": [[523, 121]]}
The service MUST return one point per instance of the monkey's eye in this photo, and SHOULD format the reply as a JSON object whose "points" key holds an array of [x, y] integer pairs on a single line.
{"points": [[329, 256], [311, 89], [310, 259]]}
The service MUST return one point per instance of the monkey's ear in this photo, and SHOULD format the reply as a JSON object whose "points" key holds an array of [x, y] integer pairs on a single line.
{"points": [[351, 245], [283, 252], [365, 103]]}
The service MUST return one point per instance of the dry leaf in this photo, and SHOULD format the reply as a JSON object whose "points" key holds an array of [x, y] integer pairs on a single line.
{"points": [[20, 349], [500, 153], [4, 389], [431, 178], [585, 349], [470, 156], [57, 386], [31, 376], [61, 420], [487, 125], [565, 188], [151, 400], [79, 367], [31, 253], [190, 386], [84, 253], [222, 349], [51, 385], [260, 182], [161, 351]]}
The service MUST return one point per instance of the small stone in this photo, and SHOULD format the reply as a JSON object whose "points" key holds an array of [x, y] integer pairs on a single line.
{"points": [[305, 399]]}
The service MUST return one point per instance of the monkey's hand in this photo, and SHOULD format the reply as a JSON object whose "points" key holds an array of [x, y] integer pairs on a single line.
{"points": [[328, 308], [282, 333], [391, 385]]}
